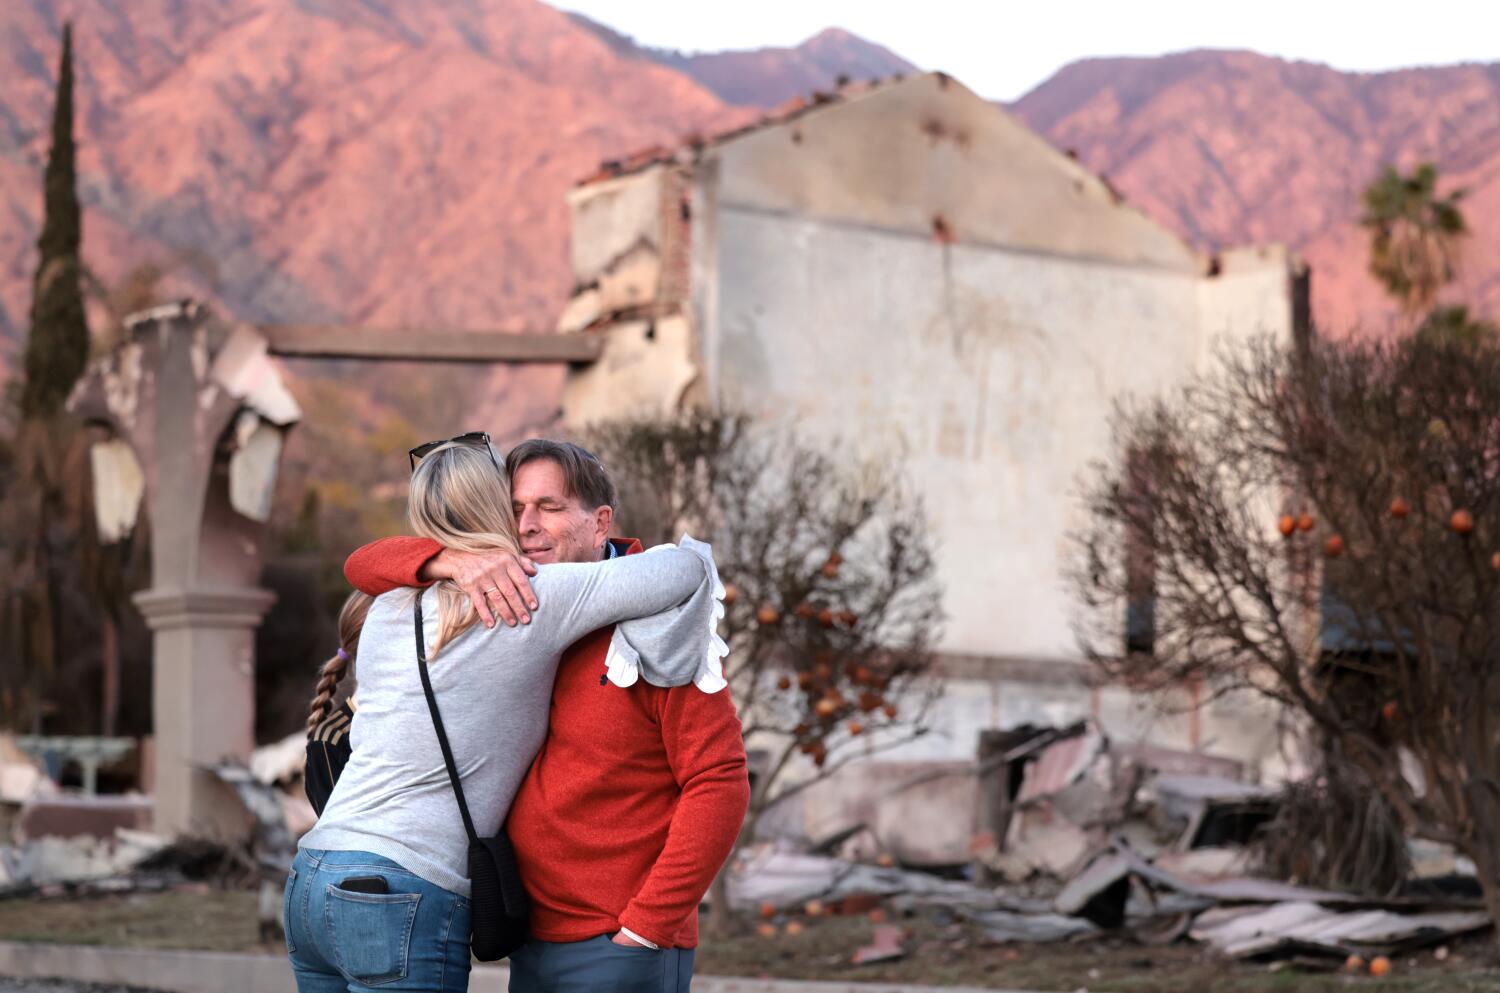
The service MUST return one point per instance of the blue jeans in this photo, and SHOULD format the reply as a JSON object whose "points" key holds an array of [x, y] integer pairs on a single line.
{"points": [[598, 965], [414, 937]]}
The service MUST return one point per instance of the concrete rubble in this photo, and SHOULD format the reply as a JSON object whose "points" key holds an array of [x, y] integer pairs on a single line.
{"points": [[1146, 844], [61, 842]]}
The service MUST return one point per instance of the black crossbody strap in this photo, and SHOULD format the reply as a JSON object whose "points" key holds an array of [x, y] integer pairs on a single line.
{"points": [[437, 723]]}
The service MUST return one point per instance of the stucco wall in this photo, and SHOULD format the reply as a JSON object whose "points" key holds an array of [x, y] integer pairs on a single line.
{"points": [[613, 217], [903, 155], [992, 370], [1250, 297]]}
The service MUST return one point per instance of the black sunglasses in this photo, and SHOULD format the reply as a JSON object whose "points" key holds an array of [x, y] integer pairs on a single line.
{"points": [[475, 438]]}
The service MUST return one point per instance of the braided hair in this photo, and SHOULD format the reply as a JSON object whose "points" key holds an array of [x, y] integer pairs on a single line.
{"points": [[351, 622]]}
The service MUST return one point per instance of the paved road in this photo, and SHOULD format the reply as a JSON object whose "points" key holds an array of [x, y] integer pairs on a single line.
{"points": [[61, 986]]}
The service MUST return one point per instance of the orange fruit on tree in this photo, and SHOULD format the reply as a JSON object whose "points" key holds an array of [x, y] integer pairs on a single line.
{"points": [[1380, 966], [835, 558], [1354, 964], [1390, 710], [820, 755], [825, 707], [784, 683], [855, 727], [848, 618], [1333, 547], [767, 910], [768, 615], [1462, 521], [813, 908], [870, 701], [1400, 509], [1305, 521], [804, 680], [731, 593], [766, 930], [823, 671], [825, 617], [804, 610], [1286, 525], [830, 570], [890, 710]]}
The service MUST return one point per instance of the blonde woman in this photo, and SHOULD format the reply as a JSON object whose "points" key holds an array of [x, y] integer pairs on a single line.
{"points": [[378, 893]]}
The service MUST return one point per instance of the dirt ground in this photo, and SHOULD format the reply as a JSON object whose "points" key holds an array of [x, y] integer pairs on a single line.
{"points": [[201, 919], [940, 953]]}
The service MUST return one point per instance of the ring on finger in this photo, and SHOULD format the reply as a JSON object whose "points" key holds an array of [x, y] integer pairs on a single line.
{"points": [[492, 589]]}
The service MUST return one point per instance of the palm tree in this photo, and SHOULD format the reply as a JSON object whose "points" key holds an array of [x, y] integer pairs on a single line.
{"points": [[1414, 235]]}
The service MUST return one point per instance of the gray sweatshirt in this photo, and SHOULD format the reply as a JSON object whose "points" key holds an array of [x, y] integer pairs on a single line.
{"points": [[493, 688]]}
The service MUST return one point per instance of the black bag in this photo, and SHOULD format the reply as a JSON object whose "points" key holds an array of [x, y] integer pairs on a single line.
{"points": [[499, 907]]}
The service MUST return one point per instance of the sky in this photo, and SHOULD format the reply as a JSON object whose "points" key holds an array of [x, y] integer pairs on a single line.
{"points": [[1002, 49]]}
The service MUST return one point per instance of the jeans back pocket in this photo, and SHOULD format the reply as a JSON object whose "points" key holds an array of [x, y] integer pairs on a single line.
{"points": [[371, 933]]}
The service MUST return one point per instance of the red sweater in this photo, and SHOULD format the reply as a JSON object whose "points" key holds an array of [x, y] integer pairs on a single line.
{"points": [[635, 799]]}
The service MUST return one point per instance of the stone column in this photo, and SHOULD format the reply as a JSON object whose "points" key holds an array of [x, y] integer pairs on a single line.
{"points": [[203, 703], [201, 409]]}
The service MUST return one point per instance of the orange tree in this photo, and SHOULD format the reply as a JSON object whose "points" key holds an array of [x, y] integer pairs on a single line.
{"points": [[1322, 526], [831, 601]]}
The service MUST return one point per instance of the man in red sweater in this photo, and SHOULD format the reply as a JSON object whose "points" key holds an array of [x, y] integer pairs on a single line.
{"points": [[636, 797]]}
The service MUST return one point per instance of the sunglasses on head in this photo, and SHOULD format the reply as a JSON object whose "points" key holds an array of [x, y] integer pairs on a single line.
{"points": [[473, 438]]}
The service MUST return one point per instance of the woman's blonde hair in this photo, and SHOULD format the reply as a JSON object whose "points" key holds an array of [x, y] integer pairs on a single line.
{"points": [[351, 622], [460, 498]]}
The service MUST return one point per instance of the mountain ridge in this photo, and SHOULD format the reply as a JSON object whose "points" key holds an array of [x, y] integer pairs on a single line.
{"points": [[329, 160], [1235, 147], [770, 75]]}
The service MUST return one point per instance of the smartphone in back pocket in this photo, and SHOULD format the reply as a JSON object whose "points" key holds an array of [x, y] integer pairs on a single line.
{"points": [[365, 884]]}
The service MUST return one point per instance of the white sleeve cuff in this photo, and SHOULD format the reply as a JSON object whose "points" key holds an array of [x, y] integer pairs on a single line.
{"points": [[622, 663], [710, 676], [637, 938]]}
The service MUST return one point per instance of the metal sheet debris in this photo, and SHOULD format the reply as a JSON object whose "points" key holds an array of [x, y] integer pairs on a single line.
{"points": [[280, 762], [1003, 926], [1285, 928], [1060, 765], [1206, 863], [787, 879]]}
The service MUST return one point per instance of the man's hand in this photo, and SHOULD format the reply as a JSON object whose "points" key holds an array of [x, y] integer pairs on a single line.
{"points": [[491, 579]]}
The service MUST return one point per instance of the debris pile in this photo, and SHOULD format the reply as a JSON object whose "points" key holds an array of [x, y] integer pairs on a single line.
{"points": [[1097, 839], [52, 840], [58, 842]]}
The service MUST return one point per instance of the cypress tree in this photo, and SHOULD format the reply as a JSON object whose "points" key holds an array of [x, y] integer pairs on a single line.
{"points": [[57, 348]]}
